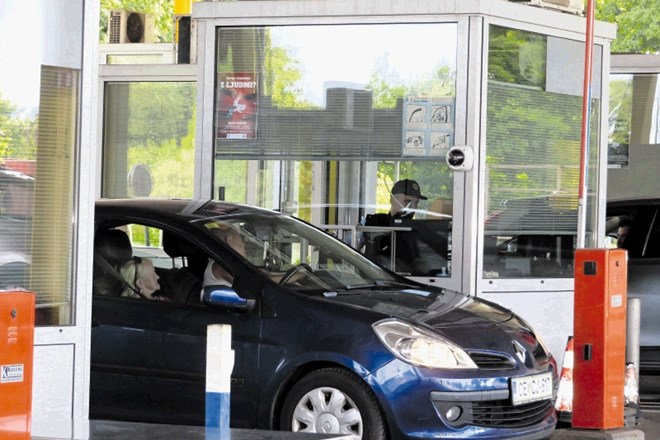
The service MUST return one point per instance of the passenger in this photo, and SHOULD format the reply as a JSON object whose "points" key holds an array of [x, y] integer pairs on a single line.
{"points": [[141, 279], [622, 233]]}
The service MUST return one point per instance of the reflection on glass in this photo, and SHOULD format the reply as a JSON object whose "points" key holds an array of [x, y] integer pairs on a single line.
{"points": [[149, 139], [327, 91], [36, 197], [533, 147], [321, 121], [634, 116]]}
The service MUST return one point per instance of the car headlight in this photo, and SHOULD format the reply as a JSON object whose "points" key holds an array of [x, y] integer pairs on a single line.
{"points": [[414, 345]]}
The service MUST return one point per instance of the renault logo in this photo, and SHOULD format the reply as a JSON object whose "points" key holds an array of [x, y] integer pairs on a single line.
{"points": [[521, 353]]}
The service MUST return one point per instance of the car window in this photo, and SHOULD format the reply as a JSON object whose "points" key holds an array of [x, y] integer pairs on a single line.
{"points": [[178, 265], [288, 250], [636, 229]]}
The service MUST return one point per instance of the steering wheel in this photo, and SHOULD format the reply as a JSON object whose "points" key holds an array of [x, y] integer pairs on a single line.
{"points": [[288, 275]]}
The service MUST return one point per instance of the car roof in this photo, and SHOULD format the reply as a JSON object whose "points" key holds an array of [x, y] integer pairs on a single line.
{"points": [[615, 203], [173, 209]]}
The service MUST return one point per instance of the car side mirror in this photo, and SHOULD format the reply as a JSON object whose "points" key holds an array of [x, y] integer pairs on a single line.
{"points": [[225, 296]]}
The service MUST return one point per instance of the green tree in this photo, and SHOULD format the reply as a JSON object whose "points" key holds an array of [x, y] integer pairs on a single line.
{"points": [[6, 123], [17, 133], [638, 24], [160, 111]]}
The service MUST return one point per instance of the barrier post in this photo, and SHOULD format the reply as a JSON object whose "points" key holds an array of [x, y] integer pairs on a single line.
{"points": [[16, 357], [219, 364], [600, 338]]}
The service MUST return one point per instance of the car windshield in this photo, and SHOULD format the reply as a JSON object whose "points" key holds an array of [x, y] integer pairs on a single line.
{"points": [[292, 252]]}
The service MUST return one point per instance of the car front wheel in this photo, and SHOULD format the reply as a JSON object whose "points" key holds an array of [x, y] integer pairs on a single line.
{"points": [[333, 401]]}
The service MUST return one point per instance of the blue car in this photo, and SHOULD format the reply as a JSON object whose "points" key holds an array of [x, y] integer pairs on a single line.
{"points": [[325, 340]]}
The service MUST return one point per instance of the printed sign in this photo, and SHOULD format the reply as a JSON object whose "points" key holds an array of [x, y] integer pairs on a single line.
{"points": [[236, 109], [11, 373], [428, 126]]}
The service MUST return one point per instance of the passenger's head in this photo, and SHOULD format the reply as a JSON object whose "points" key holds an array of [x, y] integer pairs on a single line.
{"points": [[622, 232], [406, 194], [231, 235], [141, 277]]}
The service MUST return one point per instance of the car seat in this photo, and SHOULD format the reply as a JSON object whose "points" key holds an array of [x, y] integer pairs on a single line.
{"points": [[182, 283], [112, 248]]}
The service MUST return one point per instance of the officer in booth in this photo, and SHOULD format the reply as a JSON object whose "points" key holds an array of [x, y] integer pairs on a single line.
{"points": [[404, 199]]}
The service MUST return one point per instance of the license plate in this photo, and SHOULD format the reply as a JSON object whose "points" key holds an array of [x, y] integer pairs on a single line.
{"points": [[531, 388]]}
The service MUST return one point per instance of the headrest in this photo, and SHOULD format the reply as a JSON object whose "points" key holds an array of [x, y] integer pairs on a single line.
{"points": [[174, 246], [113, 245]]}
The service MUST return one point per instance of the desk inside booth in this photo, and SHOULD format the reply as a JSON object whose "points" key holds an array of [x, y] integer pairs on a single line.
{"points": [[409, 246]]}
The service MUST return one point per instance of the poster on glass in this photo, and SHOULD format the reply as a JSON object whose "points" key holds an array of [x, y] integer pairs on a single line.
{"points": [[236, 108]]}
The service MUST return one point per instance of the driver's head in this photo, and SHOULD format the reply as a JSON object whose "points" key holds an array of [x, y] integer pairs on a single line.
{"points": [[231, 235]]}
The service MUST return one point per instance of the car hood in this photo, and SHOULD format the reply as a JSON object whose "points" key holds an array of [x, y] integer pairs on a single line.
{"points": [[446, 309]]}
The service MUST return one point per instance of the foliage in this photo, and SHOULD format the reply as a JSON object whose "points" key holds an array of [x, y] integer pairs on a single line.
{"points": [[517, 57], [638, 24], [232, 175], [163, 10], [159, 111], [172, 166], [17, 133], [385, 85], [6, 124], [283, 74]]}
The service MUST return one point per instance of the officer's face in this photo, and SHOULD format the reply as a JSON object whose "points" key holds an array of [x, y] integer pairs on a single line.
{"points": [[403, 201]]}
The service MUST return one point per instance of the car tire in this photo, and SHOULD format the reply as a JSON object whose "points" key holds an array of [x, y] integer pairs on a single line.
{"points": [[333, 401]]}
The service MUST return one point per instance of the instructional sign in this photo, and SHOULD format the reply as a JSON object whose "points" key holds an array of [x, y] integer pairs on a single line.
{"points": [[428, 126]]}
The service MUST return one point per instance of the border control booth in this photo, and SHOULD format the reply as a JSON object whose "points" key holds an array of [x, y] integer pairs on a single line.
{"points": [[325, 104]]}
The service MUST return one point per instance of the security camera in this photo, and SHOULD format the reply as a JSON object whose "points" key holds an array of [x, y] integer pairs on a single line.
{"points": [[460, 158]]}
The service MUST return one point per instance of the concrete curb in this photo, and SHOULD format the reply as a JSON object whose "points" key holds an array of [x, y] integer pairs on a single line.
{"points": [[609, 434]]}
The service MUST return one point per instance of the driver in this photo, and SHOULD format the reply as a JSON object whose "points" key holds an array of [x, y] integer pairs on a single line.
{"points": [[215, 274]]}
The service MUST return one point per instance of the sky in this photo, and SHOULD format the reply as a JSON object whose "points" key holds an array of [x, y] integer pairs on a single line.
{"points": [[19, 54], [351, 54]]}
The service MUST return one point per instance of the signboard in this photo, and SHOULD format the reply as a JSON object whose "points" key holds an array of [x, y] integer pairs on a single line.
{"points": [[428, 126], [236, 108]]}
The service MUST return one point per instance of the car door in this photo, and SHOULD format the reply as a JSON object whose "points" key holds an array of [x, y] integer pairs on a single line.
{"points": [[148, 360]]}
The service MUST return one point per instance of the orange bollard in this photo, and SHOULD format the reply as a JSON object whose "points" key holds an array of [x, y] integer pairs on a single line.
{"points": [[600, 338], [16, 352]]}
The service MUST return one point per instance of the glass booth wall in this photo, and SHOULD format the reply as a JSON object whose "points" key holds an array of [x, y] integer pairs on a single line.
{"points": [[149, 138], [320, 121], [39, 125], [533, 132]]}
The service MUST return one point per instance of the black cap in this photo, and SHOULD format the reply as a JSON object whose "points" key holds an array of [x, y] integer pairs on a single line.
{"points": [[408, 187]]}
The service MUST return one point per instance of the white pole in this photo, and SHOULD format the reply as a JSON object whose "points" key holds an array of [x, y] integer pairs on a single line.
{"points": [[219, 364]]}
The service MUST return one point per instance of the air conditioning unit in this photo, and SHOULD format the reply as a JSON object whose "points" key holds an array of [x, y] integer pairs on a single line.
{"points": [[130, 27]]}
